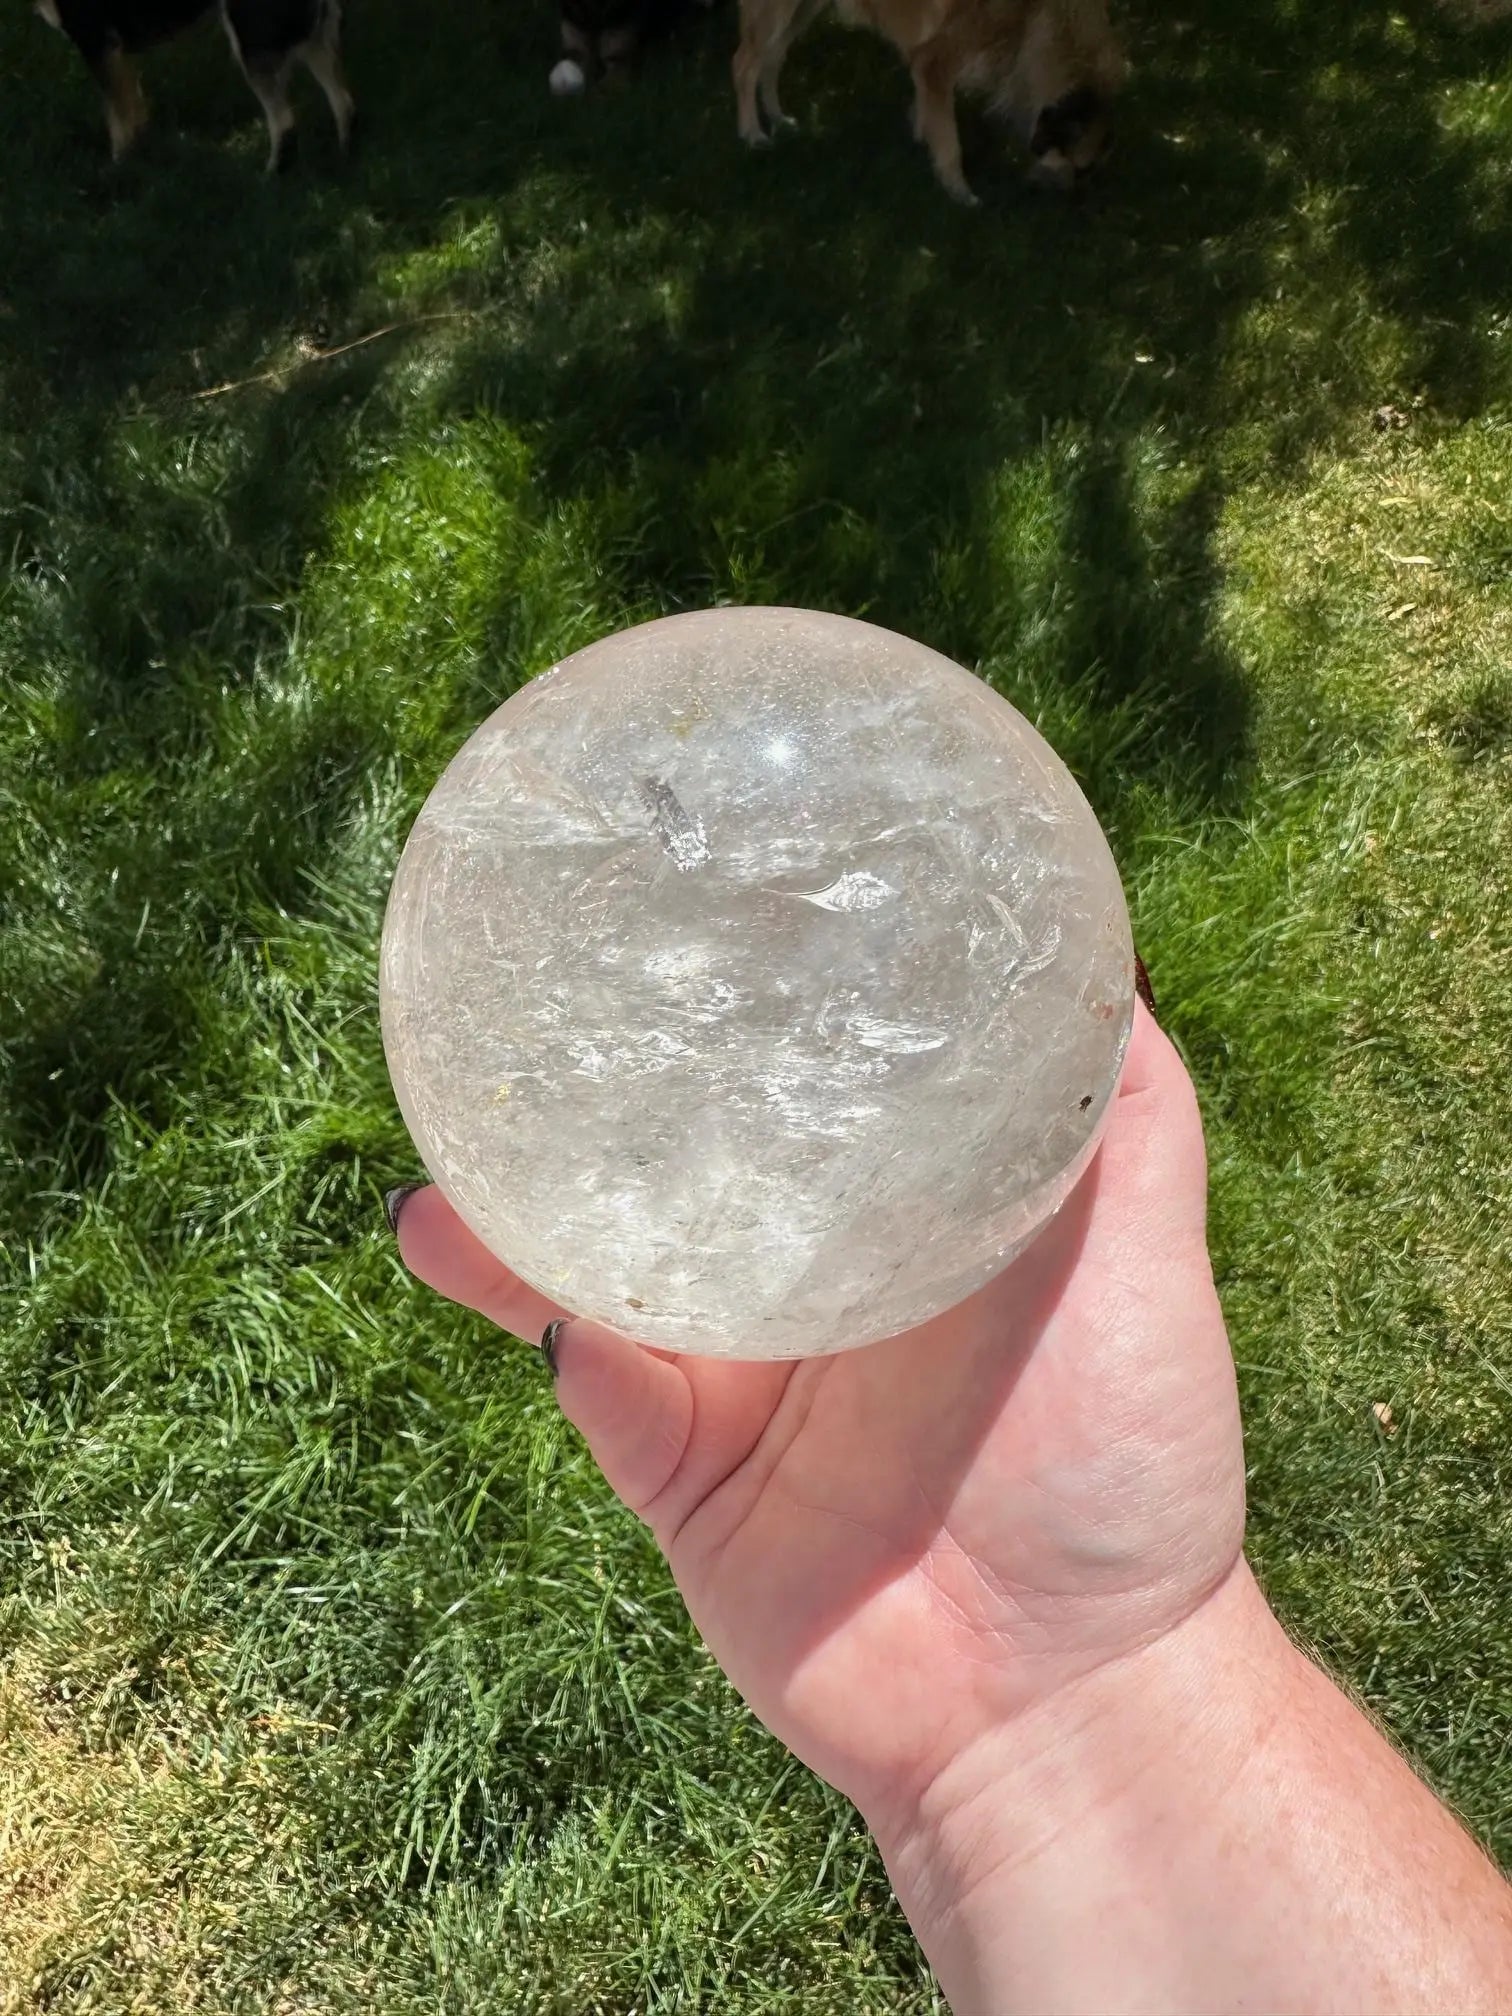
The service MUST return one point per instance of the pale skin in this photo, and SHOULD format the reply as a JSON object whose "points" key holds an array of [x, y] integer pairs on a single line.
{"points": [[988, 1580]]}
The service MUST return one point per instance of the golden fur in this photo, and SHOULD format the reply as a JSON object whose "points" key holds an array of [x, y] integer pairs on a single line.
{"points": [[1052, 66]]}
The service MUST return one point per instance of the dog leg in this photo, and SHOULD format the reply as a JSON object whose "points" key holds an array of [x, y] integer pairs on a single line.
{"points": [[88, 25], [801, 18], [321, 56], [935, 120], [747, 68], [266, 65], [125, 106], [269, 78], [766, 86], [768, 29]]}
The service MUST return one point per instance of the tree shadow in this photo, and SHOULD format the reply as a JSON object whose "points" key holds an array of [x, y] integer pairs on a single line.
{"points": [[800, 378], [811, 383], [803, 378]]}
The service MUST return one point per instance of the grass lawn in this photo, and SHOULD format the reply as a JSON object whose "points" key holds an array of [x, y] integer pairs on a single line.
{"points": [[330, 1678]]}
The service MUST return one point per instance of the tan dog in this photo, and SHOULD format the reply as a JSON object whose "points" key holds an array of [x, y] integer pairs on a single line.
{"points": [[1052, 66]]}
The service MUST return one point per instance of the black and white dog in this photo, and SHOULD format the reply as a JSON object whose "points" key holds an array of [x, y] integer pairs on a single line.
{"points": [[268, 37], [604, 37]]}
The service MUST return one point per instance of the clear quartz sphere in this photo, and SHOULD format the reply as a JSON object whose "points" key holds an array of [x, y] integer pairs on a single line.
{"points": [[756, 982]]}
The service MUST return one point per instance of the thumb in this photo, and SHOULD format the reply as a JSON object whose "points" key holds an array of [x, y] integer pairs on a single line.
{"points": [[632, 1406]]}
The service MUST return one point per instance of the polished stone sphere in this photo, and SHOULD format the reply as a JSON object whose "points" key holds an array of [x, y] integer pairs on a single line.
{"points": [[756, 982]]}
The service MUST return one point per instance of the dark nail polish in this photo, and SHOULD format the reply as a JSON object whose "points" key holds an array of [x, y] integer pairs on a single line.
{"points": [[1143, 988], [549, 1338], [395, 1200]]}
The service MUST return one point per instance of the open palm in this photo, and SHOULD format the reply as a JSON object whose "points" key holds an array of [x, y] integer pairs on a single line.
{"points": [[894, 1550]]}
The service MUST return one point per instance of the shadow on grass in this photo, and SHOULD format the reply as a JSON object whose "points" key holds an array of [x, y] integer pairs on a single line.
{"points": [[829, 314], [803, 378]]}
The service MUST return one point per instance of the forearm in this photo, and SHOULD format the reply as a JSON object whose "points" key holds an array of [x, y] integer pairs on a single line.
{"points": [[1209, 1826]]}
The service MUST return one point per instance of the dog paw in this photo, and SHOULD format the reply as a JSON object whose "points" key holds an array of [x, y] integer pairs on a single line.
{"points": [[567, 79]]}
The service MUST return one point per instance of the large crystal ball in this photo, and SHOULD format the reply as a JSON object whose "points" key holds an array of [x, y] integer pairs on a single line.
{"points": [[756, 982]]}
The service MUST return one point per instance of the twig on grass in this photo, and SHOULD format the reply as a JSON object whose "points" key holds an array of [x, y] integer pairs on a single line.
{"points": [[337, 350]]}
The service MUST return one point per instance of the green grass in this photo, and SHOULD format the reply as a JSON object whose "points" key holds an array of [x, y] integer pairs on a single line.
{"points": [[332, 1678]]}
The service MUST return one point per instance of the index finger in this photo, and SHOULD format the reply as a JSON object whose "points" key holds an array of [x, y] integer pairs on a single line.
{"points": [[438, 1248]]}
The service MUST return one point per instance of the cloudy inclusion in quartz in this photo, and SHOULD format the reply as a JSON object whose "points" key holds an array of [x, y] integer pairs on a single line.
{"points": [[756, 982]]}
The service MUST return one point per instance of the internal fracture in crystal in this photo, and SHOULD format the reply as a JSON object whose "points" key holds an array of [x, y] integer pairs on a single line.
{"points": [[756, 982]]}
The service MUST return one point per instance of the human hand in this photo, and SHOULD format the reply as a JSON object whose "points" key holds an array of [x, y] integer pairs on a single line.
{"points": [[898, 1551]]}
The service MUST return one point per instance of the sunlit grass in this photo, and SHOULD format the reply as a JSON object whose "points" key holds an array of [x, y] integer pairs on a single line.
{"points": [[333, 1679]]}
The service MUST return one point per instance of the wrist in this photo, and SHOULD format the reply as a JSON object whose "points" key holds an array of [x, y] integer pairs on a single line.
{"points": [[1089, 1743], [1206, 1824], [1036, 1826]]}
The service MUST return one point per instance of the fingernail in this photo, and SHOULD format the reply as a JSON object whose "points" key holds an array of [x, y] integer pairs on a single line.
{"points": [[395, 1200], [1143, 988], [549, 1338]]}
